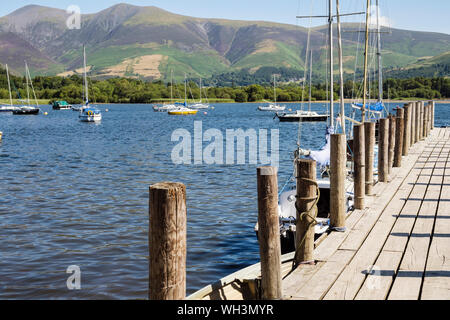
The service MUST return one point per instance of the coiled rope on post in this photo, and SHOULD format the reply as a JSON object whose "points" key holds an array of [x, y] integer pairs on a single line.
{"points": [[311, 213]]}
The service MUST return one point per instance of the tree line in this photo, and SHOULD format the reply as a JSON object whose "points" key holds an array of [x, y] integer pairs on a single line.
{"points": [[125, 90]]}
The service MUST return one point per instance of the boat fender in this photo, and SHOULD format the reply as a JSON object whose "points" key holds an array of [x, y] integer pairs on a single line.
{"points": [[90, 113]]}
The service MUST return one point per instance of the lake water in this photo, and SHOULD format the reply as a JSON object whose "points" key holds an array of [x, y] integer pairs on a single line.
{"points": [[74, 193]]}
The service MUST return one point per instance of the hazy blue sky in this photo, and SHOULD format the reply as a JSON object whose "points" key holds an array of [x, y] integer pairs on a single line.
{"points": [[431, 15]]}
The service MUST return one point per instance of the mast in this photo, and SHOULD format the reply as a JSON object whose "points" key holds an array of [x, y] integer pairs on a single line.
{"points": [[185, 92], [9, 85], [310, 81], [171, 86], [366, 50], [274, 90], [380, 66], [85, 75], [341, 69], [330, 27], [200, 90], [26, 77]]}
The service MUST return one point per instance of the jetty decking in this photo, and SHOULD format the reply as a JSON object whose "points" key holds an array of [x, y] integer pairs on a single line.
{"points": [[398, 247]]}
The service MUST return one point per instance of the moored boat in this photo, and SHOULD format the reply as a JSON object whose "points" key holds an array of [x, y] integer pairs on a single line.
{"points": [[180, 111], [27, 109], [302, 116], [61, 105], [88, 113]]}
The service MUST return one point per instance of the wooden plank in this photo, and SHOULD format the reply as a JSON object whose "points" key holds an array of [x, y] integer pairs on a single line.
{"points": [[319, 284], [377, 284], [436, 284], [408, 281]]}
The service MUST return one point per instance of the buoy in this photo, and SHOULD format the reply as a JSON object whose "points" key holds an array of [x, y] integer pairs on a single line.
{"points": [[205, 112], [290, 109], [106, 110], [45, 113]]}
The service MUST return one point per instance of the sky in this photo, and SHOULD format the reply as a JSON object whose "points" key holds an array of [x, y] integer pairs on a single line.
{"points": [[419, 15]]}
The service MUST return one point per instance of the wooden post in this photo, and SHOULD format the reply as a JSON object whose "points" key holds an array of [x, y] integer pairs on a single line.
{"points": [[359, 164], [269, 233], [337, 181], [398, 138], [406, 130], [429, 119], [306, 197], [369, 134], [392, 126], [383, 151], [422, 121], [432, 114], [413, 124], [417, 124], [167, 241]]}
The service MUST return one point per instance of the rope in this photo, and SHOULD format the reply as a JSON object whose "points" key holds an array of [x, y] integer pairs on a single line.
{"points": [[311, 213]]}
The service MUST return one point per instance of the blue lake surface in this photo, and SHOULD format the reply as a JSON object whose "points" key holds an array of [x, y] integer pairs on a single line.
{"points": [[74, 193]]}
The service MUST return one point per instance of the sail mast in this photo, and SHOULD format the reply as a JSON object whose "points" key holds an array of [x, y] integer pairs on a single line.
{"points": [[366, 50], [274, 90], [185, 92], [330, 27], [341, 69], [171, 86], [26, 77], [380, 66], [85, 75], [310, 81], [9, 85]]}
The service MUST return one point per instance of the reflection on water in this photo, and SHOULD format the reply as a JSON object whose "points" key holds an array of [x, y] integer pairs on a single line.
{"points": [[73, 193]]}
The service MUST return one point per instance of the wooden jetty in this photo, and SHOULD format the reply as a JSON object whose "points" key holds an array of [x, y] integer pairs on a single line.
{"points": [[395, 246]]}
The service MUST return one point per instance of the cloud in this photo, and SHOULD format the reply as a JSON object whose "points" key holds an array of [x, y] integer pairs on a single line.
{"points": [[383, 20]]}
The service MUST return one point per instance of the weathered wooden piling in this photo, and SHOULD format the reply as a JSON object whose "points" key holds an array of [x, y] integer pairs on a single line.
{"points": [[359, 164], [306, 198], [429, 116], [413, 124], [369, 134], [417, 122], [269, 233], [383, 151], [433, 105], [406, 129], [399, 127], [167, 241], [422, 121], [392, 126], [337, 181]]}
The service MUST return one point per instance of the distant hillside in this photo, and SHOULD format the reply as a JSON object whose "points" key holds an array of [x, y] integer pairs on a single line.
{"points": [[438, 66], [148, 42]]}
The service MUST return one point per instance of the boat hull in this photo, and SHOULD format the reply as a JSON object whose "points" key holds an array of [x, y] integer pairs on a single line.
{"points": [[26, 112], [319, 118], [90, 118]]}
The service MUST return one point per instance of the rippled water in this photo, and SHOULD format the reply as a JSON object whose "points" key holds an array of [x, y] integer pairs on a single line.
{"points": [[73, 193]]}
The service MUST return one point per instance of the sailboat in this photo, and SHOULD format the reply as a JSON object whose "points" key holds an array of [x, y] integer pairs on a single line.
{"points": [[200, 104], [373, 111], [10, 107], [27, 109], [88, 113], [273, 106], [182, 108], [167, 107], [287, 198]]}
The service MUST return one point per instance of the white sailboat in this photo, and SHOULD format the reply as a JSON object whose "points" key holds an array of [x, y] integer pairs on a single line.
{"points": [[274, 107], [28, 109], [167, 107], [10, 107], [88, 113], [200, 104], [183, 109]]}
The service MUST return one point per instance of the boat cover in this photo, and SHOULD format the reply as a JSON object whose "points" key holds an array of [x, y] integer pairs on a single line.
{"points": [[372, 107], [322, 156]]}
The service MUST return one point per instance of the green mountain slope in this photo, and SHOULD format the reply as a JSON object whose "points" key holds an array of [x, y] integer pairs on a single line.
{"points": [[148, 42]]}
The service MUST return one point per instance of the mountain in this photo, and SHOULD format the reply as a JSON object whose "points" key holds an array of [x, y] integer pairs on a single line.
{"points": [[148, 42]]}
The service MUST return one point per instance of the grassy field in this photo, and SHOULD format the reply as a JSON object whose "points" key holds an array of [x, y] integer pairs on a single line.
{"points": [[32, 102]]}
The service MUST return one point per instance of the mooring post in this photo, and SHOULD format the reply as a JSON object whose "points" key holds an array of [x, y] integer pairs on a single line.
{"points": [[167, 241], [422, 121], [337, 181], [306, 199], [406, 129], [392, 126], [399, 138], [417, 124], [359, 159], [269, 233], [383, 151], [429, 116], [432, 114], [369, 134], [413, 124]]}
